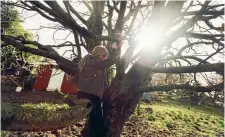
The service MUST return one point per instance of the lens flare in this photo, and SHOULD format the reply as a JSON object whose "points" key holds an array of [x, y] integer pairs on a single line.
{"points": [[148, 38]]}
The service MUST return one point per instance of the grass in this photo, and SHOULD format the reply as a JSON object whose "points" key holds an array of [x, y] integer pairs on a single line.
{"points": [[4, 133], [45, 113], [184, 120]]}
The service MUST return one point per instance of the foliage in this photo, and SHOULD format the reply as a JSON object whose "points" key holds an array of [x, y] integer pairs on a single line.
{"points": [[11, 25], [4, 133], [6, 111], [188, 96], [10, 22], [111, 74], [184, 120]]}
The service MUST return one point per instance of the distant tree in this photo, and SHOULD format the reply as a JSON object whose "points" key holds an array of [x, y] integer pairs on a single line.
{"points": [[11, 25]]}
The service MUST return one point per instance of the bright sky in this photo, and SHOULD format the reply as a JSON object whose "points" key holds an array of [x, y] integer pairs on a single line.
{"points": [[45, 35], [33, 22]]}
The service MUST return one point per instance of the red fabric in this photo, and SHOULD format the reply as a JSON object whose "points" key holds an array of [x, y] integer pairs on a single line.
{"points": [[43, 78], [67, 86]]}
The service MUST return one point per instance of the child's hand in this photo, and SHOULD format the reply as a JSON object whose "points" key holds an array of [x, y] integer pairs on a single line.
{"points": [[117, 45], [120, 44], [121, 40], [114, 46], [120, 36]]}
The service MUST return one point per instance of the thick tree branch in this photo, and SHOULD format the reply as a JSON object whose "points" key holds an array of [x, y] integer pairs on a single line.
{"points": [[78, 43], [218, 67], [46, 9], [134, 18], [120, 20], [109, 21], [207, 37], [63, 18], [88, 6], [182, 57], [57, 9], [67, 3], [215, 6], [115, 6], [65, 63], [40, 12], [218, 87], [132, 11], [4, 45], [68, 22], [186, 26], [119, 28], [206, 12]]}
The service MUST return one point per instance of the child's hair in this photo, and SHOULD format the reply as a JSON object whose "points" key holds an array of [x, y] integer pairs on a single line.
{"points": [[100, 50], [97, 51]]}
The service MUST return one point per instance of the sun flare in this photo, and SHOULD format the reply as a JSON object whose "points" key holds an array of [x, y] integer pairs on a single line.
{"points": [[148, 38]]}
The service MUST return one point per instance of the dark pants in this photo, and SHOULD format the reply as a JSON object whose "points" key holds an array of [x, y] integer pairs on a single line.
{"points": [[96, 121]]}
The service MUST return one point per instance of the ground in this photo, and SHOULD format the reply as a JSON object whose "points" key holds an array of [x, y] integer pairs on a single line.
{"points": [[158, 119]]}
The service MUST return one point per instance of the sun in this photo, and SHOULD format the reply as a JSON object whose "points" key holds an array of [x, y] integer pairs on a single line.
{"points": [[148, 37]]}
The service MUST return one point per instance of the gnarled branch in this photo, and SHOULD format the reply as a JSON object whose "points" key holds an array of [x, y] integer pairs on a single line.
{"points": [[190, 69], [218, 87], [66, 64], [182, 57], [67, 3]]}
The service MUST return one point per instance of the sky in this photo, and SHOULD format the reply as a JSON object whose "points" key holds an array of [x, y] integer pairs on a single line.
{"points": [[36, 24], [33, 22]]}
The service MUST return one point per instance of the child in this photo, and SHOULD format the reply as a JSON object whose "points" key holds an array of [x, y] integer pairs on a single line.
{"points": [[91, 82]]}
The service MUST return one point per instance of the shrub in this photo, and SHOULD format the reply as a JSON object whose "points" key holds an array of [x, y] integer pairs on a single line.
{"points": [[151, 118], [6, 111]]}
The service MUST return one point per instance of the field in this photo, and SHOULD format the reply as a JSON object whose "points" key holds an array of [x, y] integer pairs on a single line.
{"points": [[181, 120], [157, 119]]}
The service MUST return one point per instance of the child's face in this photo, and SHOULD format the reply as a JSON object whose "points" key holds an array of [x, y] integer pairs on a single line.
{"points": [[103, 57]]}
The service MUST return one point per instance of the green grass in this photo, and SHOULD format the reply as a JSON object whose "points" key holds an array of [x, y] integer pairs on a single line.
{"points": [[4, 133], [184, 120], [42, 112]]}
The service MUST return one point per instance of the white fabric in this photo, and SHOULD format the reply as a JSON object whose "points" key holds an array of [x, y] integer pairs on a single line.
{"points": [[55, 80]]}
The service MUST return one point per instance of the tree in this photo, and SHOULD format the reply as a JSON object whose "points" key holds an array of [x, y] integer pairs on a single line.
{"points": [[165, 79], [11, 25], [188, 21]]}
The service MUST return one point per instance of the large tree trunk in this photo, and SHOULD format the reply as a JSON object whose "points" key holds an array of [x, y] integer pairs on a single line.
{"points": [[95, 24], [123, 95], [120, 101], [122, 98], [117, 114]]}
